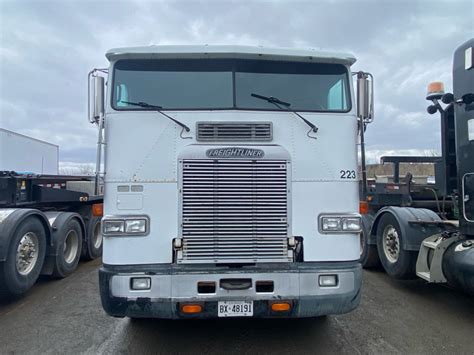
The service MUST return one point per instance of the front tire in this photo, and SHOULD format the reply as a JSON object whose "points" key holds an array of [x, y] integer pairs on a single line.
{"points": [[369, 257], [396, 261], [25, 258]]}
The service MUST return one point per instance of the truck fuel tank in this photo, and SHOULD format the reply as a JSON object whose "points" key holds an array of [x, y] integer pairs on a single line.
{"points": [[458, 265]]}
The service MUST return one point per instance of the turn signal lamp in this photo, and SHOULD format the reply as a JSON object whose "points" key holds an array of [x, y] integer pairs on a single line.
{"points": [[435, 90], [191, 308], [281, 307], [363, 207], [98, 209]]}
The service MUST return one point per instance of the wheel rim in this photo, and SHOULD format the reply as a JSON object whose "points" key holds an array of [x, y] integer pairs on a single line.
{"points": [[97, 236], [71, 245], [27, 253], [391, 243]]}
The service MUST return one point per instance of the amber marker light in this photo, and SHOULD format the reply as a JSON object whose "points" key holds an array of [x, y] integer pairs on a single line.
{"points": [[363, 207], [191, 308], [281, 307], [435, 90], [98, 209]]}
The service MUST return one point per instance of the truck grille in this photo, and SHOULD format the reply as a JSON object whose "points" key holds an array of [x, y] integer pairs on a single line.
{"points": [[228, 131], [234, 211]]}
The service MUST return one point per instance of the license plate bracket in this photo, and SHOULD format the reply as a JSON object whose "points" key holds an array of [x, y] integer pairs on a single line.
{"points": [[235, 309]]}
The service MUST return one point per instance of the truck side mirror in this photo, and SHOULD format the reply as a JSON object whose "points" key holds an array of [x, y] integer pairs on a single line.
{"points": [[99, 89], [365, 97]]}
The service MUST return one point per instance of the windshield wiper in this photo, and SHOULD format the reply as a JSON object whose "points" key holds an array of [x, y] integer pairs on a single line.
{"points": [[286, 106], [157, 109]]}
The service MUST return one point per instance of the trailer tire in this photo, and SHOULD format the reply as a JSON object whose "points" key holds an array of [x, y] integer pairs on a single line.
{"points": [[68, 249], [17, 279], [396, 261], [92, 248]]}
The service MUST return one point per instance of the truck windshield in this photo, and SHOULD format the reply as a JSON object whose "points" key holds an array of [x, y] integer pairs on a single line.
{"points": [[200, 84]]}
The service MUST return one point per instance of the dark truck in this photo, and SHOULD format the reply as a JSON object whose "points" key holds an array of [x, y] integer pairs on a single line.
{"points": [[424, 229], [47, 223]]}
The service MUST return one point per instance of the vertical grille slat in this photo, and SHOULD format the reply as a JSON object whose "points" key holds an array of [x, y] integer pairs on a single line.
{"points": [[234, 131], [234, 211]]}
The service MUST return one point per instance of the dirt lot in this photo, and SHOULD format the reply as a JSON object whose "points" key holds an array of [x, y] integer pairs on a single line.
{"points": [[65, 316]]}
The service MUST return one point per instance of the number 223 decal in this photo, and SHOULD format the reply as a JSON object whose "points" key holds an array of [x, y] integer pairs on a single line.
{"points": [[348, 174]]}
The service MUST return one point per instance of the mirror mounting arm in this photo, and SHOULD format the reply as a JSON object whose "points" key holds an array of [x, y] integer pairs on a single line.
{"points": [[365, 115], [96, 115]]}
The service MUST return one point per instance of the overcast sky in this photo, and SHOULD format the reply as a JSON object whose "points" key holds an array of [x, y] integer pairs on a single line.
{"points": [[48, 47]]}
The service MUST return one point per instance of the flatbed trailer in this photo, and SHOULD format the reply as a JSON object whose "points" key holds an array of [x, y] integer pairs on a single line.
{"points": [[47, 223], [423, 229], [409, 191]]}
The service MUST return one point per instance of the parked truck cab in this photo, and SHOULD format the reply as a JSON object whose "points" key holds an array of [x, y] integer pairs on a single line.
{"points": [[426, 229], [231, 182]]}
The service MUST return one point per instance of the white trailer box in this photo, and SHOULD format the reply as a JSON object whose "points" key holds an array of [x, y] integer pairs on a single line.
{"points": [[25, 154]]}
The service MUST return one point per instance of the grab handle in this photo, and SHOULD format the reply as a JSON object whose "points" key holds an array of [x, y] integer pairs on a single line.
{"points": [[235, 284]]}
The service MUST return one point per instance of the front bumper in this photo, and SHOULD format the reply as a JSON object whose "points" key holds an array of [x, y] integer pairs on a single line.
{"points": [[172, 285]]}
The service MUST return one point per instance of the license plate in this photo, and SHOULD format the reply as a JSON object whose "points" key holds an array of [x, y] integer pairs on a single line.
{"points": [[235, 309]]}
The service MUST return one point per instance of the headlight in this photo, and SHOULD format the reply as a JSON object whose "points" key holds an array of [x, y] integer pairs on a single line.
{"points": [[352, 224], [113, 227], [331, 223], [135, 226], [126, 226], [340, 223]]}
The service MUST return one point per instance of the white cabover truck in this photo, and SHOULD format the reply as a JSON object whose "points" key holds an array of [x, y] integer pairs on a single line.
{"points": [[231, 184]]}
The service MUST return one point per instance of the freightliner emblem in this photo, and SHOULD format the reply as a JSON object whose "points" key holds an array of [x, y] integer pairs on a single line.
{"points": [[235, 152]]}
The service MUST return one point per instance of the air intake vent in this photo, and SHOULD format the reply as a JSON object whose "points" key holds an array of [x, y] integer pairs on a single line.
{"points": [[234, 131]]}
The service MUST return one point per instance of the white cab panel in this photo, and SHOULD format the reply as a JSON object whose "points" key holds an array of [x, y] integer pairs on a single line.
{"points": [[146, 153]]}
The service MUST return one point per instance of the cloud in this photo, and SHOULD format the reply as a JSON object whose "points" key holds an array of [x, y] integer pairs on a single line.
{"points": [[72, 168], [47, 48]]}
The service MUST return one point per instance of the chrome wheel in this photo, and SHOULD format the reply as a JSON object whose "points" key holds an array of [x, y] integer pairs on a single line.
{"points": [[391, 243], [71, 246], [97, 236], [27, 253]]}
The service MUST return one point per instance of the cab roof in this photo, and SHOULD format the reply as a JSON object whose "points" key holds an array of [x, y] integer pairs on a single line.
{"points": [[228, 51]]}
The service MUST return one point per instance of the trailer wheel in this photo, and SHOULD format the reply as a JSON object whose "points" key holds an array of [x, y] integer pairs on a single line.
{"points": [[25, 258], [369, 256], [68, 250], [396, 261], [92, 247]]}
